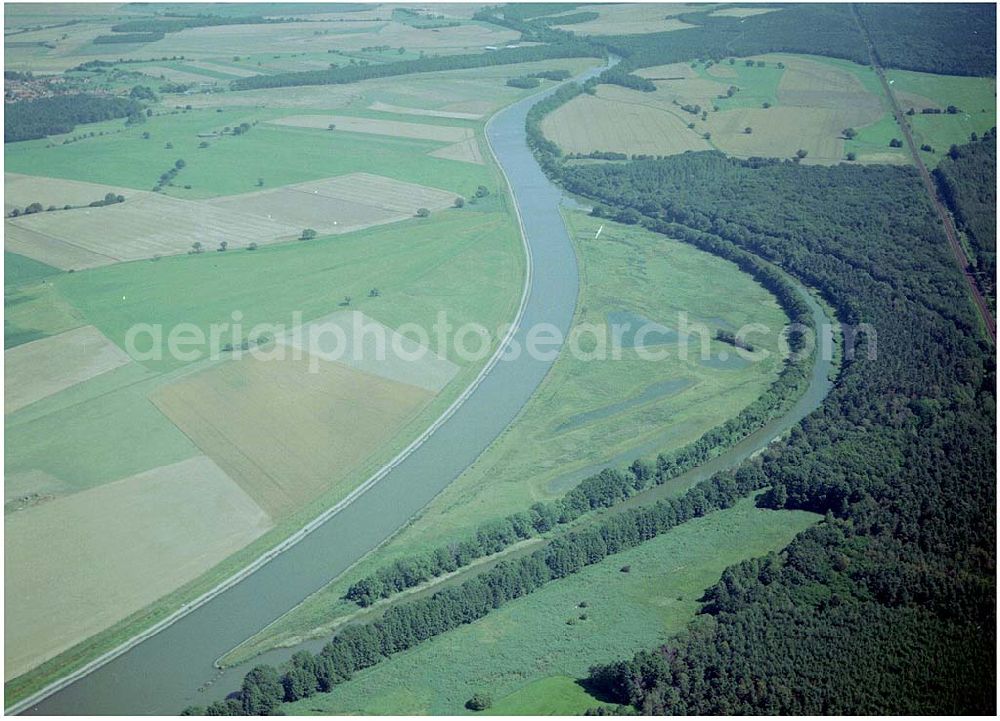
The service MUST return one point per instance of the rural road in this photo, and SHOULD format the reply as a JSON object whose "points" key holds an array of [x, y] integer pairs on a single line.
{"points": [[162, 672], [989, 322]]}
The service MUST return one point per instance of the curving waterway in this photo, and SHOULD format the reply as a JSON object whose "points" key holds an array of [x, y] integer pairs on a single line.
{"points": [[163, 673]]}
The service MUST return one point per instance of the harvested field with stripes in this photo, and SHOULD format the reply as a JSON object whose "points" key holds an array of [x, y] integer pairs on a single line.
{"points": [[395, 128], [39, 369], [84, 561]]}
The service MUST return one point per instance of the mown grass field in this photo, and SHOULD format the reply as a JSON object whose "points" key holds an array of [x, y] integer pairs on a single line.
{"points": [[587, 414], [527, 654]]}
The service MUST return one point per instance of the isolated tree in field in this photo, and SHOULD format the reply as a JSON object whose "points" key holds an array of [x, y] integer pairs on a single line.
{"points": [[766, 105], [145, 136], [223, 245], [180, 164], [895, 143], [781, 66], [196, 246], [331, 126], [852, 156], [347, 300], [169, 146], [691, 126], [479, 702], [747, 131], [459, 202], [707, 136], [260, 182], [951, 110], [482, 191], [850, 133], [927, 148], [801, 153], [203, 144], [34, 208], [307, 234], [252, 246], [374, 293], [423, 213]]}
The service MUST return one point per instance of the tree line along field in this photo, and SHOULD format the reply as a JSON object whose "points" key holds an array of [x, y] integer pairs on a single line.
{"points": [[528, 655], [588, 414], [99, 431], [773, 106]]}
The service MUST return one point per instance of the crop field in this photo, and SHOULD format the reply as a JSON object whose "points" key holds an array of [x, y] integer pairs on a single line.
{"points": [[538, 644], [394, 128], [353, 339], [338, 205], [21, 191], [401, 110], [84, 561], [150, 224], [618, 120], [588, 414], [811, 101], [628, 19], [43, 367], [288, 429]]}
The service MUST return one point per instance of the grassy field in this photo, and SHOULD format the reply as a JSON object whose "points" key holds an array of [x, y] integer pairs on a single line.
{"points": [[974, 97], [587, 414], [276, 155], [527, 654]]}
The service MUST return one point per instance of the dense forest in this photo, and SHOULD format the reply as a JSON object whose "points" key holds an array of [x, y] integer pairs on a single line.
{"points": [[173, 24], [355, 73], [901, 456], [946, 38], [967, 179], [30, 119]]}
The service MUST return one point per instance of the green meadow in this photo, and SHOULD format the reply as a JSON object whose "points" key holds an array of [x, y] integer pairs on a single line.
{"points": [[591, 413], [230, 165], [975, 98], [527, 654]]}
